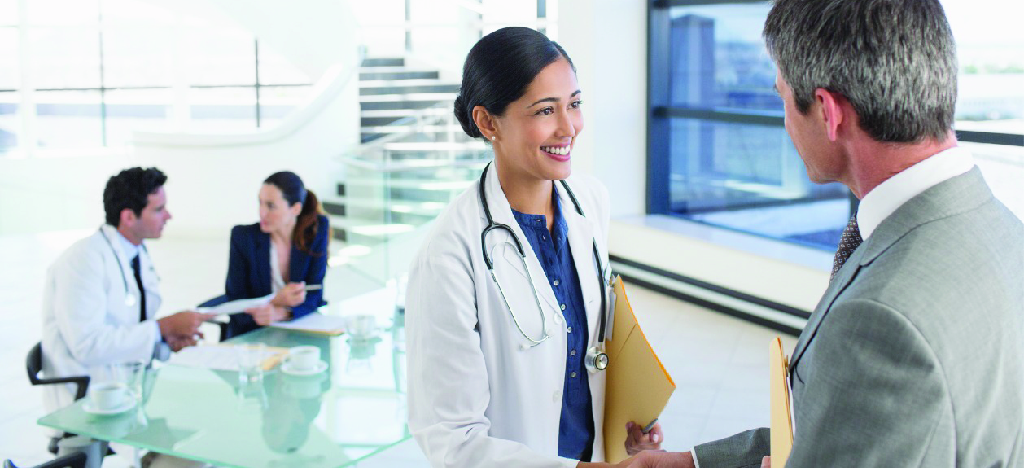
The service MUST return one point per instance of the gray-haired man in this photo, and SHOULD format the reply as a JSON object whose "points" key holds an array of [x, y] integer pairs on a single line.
{"points": [[915, 354]]}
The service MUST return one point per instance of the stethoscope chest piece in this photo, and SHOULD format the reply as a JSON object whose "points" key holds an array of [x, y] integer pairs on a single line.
{"points": [[596, 359], [129, 300]]}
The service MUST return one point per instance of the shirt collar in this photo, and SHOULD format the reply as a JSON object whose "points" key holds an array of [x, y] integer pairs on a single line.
{"points": [[538, 222], [888, 196], [130, 250]]}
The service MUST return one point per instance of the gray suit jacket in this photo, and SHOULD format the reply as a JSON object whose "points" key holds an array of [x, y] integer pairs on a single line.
{"points": [[915, 354]]}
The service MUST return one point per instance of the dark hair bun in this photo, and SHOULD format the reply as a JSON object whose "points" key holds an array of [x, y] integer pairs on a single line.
{"points": [[498, 70], [465, 116]]}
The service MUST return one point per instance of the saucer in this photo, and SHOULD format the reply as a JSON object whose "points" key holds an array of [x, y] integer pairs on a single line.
{"points": [[287, 368], [365, 339], [129, 403]]}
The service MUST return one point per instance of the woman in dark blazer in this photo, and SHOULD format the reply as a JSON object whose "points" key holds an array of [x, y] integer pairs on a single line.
{"points": [[281, 254]]}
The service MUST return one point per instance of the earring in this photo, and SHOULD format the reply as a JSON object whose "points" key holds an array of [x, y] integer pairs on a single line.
{"points": [[494, 138]]}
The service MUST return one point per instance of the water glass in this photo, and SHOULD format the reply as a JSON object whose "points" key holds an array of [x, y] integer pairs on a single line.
{"points": [[135, 376], [250, 362]]}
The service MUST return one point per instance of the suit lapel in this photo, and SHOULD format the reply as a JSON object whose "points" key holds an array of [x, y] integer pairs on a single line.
{"points": [[297, 263], [262, 266], [840, 283], [956, 195]]}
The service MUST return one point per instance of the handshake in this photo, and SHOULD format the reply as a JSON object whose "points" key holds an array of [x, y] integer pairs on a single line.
{"points": [[181, 330]]}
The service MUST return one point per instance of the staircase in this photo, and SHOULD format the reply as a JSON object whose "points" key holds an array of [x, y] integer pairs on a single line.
{"points": [[413, 160]]}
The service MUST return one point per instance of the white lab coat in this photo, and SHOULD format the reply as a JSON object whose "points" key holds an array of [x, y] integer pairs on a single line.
{"points": [[476, 397], [85, 319]]}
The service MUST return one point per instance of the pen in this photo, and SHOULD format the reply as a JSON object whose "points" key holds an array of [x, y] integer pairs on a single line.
{"points": [[313, 287], [647, 428]]}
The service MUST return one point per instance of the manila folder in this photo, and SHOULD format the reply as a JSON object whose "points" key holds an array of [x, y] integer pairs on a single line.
{"points": [[782, 426], [638, 386]]}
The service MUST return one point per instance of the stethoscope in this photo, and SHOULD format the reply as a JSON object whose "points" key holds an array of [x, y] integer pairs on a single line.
{"points": [[129, 299], [596, 359]]}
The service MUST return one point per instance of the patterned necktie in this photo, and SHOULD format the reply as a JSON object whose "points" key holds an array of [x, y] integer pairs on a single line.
{"points": [[137, 268], [847, 244]]}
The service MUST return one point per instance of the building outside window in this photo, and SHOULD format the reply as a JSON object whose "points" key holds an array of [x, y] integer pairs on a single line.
{"points": [[718, 152]]}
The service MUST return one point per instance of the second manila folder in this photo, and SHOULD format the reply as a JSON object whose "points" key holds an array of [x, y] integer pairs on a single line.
{"points": [[782, 424], [638, 386]]}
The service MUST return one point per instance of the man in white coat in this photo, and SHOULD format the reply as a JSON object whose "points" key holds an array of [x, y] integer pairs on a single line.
{"points": [[101, 296]]}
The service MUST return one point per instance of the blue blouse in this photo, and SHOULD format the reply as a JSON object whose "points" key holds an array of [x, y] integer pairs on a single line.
{"points": [[576, 426]]}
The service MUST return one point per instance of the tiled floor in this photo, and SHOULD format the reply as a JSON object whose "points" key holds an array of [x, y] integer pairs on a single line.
{"points": [[720, 364]]}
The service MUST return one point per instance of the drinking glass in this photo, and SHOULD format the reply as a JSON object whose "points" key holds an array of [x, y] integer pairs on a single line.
{"points": [[250, 362]]}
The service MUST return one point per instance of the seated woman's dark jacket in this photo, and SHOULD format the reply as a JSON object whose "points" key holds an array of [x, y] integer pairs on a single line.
{"points": [[249, 271]]}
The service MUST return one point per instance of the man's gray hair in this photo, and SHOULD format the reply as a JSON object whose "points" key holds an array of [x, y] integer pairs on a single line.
{"points": [[894, 60]]}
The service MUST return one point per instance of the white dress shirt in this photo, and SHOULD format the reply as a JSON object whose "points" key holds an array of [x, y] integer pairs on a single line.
{"points": [[885, 199], [130, 250], [276, 277]]}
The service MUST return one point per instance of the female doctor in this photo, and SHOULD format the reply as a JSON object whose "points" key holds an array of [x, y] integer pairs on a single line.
{"points": [[505, 296]]}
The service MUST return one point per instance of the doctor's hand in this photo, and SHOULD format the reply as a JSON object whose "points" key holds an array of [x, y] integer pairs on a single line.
{"points": [[181, 324], [266, 314], [291, 295], [659, 459], [637, 441]]}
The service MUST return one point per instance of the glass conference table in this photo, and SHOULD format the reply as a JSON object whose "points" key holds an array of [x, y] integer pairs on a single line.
{"points": [[351, 411]]}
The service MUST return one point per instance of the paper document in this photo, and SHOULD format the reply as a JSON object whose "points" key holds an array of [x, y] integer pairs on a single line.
{"points": [[315, 323], [638, 386], [781, 414], [236, 306], [221, 357]]}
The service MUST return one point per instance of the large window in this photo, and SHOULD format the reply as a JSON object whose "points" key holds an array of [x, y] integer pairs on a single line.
{"points": [[83, 74], [718, 151]]}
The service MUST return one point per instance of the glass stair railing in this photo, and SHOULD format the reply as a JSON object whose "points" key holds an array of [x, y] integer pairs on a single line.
{"points": [[394, 185]]}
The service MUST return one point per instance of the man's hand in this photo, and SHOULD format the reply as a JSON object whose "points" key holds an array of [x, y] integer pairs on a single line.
{"points": [[179, 342], [637, 441], [291, 295], [181, 324], [657, 459], [266, 314]]}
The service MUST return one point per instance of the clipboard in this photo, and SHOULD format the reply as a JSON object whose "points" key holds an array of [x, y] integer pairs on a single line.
{"points": [[637, 385], [781, 414]]}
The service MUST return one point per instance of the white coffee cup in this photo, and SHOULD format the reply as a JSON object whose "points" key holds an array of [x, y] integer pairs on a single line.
{"points": [[108, 395], [303, 358]]}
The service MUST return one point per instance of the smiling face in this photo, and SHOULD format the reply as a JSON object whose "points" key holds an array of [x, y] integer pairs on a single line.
{"points": [[535, 136], [275, 214]]}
